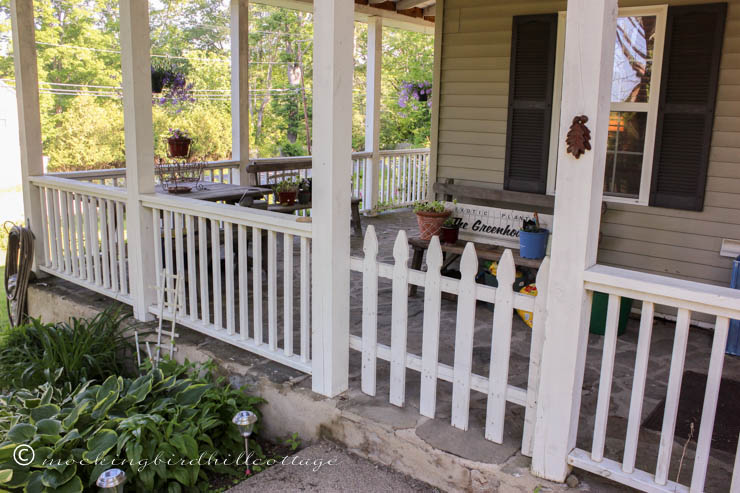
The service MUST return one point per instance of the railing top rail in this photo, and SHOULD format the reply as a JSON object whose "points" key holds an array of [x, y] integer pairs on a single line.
{"points": [[69, 185], [395, 152], [91, 173], [235, 214], [696, 296]]}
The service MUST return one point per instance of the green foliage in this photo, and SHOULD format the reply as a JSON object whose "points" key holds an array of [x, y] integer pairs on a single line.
{"points": [[174, 413], [451, 222], [79, 350], [429, 206], [287, 185]]}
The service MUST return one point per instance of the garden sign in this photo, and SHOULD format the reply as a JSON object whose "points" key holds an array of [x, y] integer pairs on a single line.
{"points": [[491, 225]]}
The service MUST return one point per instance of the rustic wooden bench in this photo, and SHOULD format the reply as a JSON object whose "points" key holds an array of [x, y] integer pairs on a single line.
{"points": [[453, 251], [355, 205]]}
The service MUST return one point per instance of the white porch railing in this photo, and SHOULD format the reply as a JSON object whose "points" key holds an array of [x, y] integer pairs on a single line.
{"points": [[83, 234], [687, 297], [461, 375], [403, 175], [210, 245]]}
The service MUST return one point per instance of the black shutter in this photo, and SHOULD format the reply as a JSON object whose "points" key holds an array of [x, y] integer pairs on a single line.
{"points": [[533, 43], [688, 93]]}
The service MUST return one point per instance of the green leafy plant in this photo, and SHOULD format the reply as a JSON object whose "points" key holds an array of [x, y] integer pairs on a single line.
{"points": [[430, 206], [82, 349], [532, 225], [287, 186], [172, 413], [451, 222]]}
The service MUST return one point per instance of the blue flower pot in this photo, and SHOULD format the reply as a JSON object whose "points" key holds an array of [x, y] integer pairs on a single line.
{"points": [[533, 245]]}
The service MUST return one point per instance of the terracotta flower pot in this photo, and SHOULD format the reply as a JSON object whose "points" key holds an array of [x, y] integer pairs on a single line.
{"points": [[179, 147], [449, 235], [287, 198], [430, 223]]}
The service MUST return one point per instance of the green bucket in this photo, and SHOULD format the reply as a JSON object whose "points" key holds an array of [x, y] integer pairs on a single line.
{"points": [[598, 313]]}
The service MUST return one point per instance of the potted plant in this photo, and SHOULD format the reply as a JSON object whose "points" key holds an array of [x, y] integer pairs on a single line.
{"points": [[430, 216], [532, 239], [450, 230], [286, 190], [304, 191], [178, 143]]}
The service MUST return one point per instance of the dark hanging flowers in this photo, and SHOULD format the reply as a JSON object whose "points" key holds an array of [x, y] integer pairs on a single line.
{"points": [[169, 84], [412, 94]]}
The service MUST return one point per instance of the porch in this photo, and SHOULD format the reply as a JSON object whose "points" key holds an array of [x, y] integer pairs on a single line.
{"points": [[304, 295]]}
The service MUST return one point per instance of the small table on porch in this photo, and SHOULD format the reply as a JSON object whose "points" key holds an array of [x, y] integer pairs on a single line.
{"points": [[354, 204], [223, 192], [454, 250]]}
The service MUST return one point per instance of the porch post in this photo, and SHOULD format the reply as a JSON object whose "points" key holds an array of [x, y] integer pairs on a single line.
{"points": [[332, 155], [587, 80], [240, 88], [29, 114], [372, 108], [139, 141]]}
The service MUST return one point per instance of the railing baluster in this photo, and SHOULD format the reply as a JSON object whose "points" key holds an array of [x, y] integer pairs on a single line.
{"points": [[465, 324], [205, 300], [243, 283], [216, 266], [179, 254], [72, 235], [105, 254], [58, 261], [735, 485], [678, 358], [229, 273], [288, 294], [642, 359], [305, 298], [399, 319], [45, 225], [95, 239], [122, 250], [168, 263], [80, 222], [498, 377], [709, 409], [430, 332], [369, 311], [64, 232], [257, 284], [192, 271], [158, 233], [605, 383], [87, 213], [272, 290], [112, 250]]}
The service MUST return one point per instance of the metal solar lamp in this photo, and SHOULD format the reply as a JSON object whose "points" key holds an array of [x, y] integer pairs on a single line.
{"points": [[245, 421], [111, 481]]}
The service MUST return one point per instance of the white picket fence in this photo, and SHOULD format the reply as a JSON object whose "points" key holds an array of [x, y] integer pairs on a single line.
{"points": [[687, 297], [83, 234], [461, 375], [212, 244]]}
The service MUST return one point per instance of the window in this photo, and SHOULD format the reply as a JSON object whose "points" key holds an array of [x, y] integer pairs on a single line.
{"points": [[638, 53]]}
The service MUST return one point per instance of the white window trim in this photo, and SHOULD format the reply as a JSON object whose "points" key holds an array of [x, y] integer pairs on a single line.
{"points": [[661, 14]]}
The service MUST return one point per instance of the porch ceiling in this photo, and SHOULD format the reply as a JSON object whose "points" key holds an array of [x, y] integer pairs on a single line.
{"points": [[411, 15]]}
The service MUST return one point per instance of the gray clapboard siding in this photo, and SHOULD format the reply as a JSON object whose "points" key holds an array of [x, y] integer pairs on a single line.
{"points": [[474, 62]]}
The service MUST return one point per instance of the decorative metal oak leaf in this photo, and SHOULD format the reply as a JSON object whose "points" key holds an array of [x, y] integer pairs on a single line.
{"points": [[579, 137]]}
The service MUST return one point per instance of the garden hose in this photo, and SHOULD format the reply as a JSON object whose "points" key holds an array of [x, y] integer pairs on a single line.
{"points": [[18, 264]]}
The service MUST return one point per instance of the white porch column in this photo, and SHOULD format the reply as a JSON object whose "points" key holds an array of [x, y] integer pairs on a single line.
{"points": [[587, 73], [29, 114], [240, 87], [372, 107], [139, 140], [332, 155]]}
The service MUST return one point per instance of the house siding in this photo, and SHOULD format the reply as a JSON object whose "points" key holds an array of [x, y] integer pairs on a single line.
{"points": [[474, 90]]}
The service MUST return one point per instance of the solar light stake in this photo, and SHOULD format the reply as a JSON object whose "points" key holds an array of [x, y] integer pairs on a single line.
{"points": [[245, 421], [111, 481]]}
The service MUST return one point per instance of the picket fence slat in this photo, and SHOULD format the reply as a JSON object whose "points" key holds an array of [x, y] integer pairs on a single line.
{"points": [[369, 311], [430, 332], [399, 319], [464, 331], [500, 348]]}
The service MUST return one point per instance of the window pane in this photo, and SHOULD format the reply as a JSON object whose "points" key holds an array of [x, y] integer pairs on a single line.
{"points": [[625, 147], [633, 59]]}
